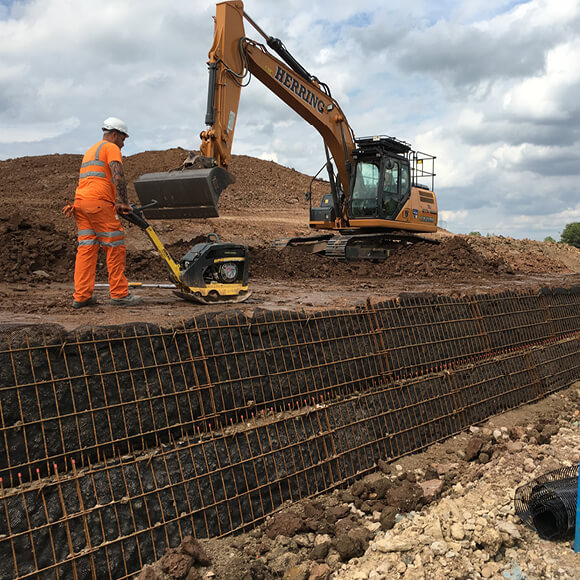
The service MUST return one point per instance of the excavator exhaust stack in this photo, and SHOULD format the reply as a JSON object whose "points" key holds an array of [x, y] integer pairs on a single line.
{"points": [[189, 193]]}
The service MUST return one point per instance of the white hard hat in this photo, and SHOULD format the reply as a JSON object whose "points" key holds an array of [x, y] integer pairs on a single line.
{"points": [[114, 123]]}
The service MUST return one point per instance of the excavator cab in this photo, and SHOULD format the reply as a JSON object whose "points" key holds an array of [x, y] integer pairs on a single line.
{"points": [[380, 183], [385, 206]]}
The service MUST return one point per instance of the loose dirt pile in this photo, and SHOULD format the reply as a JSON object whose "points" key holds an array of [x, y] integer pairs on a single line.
{"points": [[267, 202]]}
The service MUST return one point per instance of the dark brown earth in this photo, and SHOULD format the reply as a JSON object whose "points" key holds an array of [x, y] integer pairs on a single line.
{"points": [[37, 247]]}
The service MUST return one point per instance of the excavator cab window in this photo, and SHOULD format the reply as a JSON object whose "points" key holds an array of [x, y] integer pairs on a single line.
{"points": [[365, 189], [395, 185], [390, 195], [404, 181]]}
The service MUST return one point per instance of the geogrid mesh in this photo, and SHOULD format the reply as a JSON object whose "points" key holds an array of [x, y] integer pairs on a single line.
{"points": [[118, 442], [548, 503]]}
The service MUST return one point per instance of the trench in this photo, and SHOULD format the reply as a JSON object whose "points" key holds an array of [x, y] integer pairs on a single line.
{"points": [[117, 442]]}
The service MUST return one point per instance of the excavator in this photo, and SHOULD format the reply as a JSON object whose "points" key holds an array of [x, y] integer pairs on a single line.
{"points": [[380, 190]]}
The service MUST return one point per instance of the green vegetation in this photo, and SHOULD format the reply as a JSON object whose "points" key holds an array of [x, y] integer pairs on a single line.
{"points": [[475, 233], [571, 235], [549, 239]]}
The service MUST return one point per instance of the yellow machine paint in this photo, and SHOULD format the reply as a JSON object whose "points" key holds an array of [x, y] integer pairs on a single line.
{"points": [[210, 272]]}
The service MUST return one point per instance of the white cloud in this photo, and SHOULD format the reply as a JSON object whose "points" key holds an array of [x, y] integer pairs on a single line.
{"points": [[540, 98], [269, 156], [10, 72], [488, 86], [38, 132], [454, 216]]}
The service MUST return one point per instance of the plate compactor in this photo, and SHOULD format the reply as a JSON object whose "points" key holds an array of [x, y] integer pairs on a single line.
{"points": [[212, 271]]}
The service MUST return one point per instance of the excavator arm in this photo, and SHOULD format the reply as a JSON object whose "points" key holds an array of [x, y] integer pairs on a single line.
{"points": [[378, 197], [233, 58]]}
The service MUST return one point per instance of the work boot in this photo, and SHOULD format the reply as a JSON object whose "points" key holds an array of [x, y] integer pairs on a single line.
{"points": [[129, 300], [90, 302]]}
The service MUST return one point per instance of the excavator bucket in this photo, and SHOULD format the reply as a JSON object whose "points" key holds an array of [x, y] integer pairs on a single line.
{"points": [[190, 193]]}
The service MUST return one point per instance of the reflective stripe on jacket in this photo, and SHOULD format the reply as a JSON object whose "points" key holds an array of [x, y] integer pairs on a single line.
{"points": [[95, 167], [95, 177]]}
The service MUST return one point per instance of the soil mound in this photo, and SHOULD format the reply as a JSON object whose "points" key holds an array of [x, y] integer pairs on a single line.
{"points": [[452, 258], [29, 249], [266, 202]]}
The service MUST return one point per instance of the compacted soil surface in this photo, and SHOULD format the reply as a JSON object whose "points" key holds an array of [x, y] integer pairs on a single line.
{"points": [[445, 513]]}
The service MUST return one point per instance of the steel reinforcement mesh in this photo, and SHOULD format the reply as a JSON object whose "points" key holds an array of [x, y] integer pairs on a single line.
{"points": [[117, 442]]}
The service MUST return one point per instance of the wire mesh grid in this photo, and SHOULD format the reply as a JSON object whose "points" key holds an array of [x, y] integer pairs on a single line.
{"points": [[103, 392], [548, 503], [121, 441]]}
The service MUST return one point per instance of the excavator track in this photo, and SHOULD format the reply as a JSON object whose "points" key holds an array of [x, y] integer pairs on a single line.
{"points": [[374, 247], [282, 243]]}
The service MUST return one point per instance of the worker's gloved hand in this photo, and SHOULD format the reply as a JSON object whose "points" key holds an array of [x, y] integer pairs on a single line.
{"points": [[69, 209], [123, 208]]}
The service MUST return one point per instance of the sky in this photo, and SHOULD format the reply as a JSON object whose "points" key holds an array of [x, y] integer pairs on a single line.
{"points": [[489, 87]]}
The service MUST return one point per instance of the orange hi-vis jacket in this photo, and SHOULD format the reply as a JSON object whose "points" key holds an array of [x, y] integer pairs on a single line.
{"points": [[98, 224], [96, 179]]}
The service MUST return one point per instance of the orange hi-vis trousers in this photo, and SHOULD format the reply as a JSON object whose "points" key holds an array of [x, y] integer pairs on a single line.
{"points": [[99, 225]]}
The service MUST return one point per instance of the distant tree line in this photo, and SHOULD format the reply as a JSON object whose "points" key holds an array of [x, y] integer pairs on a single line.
{"points": [[571, 235]]}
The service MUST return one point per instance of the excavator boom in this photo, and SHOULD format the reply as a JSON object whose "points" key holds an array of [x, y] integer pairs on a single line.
{"points": [[233, 58], [374, 182]]}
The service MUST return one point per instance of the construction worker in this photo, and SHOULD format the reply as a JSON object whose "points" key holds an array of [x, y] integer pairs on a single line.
{"points": [[100, 196]]}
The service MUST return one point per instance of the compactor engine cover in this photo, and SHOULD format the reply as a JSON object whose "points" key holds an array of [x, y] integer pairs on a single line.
{"points": [[215, 264]]}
